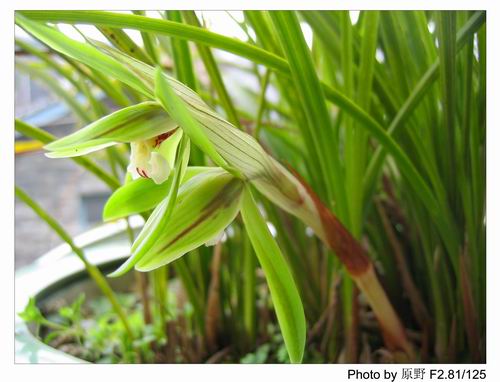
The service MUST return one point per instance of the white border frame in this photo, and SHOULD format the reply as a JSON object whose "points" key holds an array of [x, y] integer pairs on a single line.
{"points": [[228, 372]]}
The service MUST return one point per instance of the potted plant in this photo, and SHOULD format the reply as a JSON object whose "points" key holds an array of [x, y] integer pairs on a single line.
{"points": [[310, 228]]}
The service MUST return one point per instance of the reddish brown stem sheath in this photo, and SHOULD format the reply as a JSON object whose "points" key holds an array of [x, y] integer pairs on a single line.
{"points": [[360, 268]]}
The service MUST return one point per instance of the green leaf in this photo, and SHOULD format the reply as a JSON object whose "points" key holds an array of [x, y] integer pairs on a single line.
{"points": [[39, 72], [31, 313], [44, 137], [184, 72], [93, 271], [213, 72], [149, 41], [356, 150], [416, 96], [174, 29], [284, 293], [73, 312], [122, 41], [129, 199], [318, 131], [181, 55], [82, 52], [447, 52]]}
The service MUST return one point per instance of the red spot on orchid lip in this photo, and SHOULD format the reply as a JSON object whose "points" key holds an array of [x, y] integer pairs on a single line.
{"points": [[160, 138], [142, 173]]}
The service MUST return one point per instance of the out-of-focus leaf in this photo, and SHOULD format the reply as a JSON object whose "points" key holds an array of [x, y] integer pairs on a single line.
{"points": [[44, 137], [40, 72], [121, 40], [318, 131], [31, 313], [165, 27], [181, 55], [284, 293], [213, 72], [81, 52]]}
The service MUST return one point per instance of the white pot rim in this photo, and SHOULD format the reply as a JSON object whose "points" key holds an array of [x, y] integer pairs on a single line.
{"points": [[102, 245]]}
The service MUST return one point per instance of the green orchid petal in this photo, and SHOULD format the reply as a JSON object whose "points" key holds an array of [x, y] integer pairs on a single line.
{"points": [[139, 122], [206, 205], [129, 199]]}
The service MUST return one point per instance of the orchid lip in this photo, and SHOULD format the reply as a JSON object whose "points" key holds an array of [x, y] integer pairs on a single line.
{"points": [[148, 160]]}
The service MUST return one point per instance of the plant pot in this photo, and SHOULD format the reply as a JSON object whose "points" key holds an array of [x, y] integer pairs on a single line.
{"points": [[59, 276]]}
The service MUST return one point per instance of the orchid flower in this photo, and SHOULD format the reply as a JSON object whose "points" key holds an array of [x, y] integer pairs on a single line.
{"points": [[152, 134], [147, 159]]}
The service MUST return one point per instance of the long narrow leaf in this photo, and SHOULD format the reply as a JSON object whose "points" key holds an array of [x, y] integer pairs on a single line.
{"points": [[286, 298], [44, 137]]}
